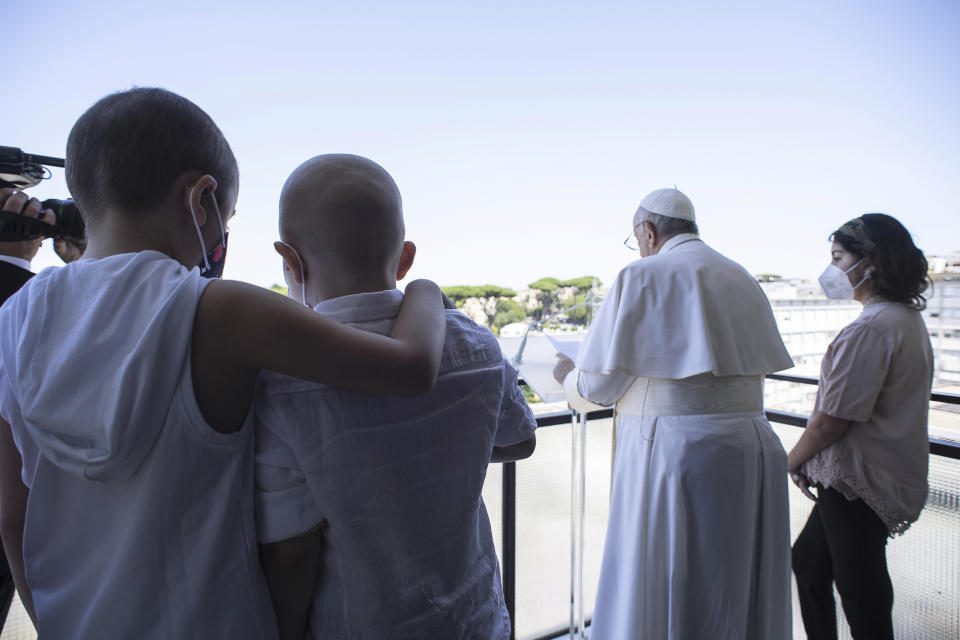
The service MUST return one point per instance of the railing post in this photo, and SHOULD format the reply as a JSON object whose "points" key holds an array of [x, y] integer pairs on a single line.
{"points": [[578, 461], [508, 503]]}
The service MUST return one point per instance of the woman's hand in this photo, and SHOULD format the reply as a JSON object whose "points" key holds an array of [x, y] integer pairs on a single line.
{"points": [[803, 483], [821, 431]]}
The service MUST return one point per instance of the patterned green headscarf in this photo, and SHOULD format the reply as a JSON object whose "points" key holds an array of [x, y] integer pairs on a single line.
{"points": [[855, 231]]}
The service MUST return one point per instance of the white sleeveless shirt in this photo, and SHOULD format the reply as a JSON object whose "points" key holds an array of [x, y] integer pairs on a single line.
{"points": [[140, 517]]}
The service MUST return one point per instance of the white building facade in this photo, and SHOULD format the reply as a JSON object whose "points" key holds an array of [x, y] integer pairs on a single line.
{"points": [[807, 321], [942, 316]]}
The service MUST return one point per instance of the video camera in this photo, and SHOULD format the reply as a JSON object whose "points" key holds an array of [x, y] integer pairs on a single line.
{"points": [[20, 170]]}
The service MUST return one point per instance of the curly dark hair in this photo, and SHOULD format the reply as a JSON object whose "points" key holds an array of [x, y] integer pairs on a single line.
{"points": [[901, 268]]}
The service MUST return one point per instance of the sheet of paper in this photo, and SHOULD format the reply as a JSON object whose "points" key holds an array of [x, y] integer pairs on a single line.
{"points": [[568, 347], [538, 359]]}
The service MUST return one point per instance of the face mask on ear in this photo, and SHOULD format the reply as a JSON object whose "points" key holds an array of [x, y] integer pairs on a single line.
{"points": [[835, 283], [212, 264]]}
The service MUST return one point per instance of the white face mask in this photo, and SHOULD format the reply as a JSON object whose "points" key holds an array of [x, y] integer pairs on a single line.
{"points": [[836, 285]]}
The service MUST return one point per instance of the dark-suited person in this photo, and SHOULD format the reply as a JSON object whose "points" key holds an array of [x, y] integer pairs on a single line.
{"points": [[15, 259]]}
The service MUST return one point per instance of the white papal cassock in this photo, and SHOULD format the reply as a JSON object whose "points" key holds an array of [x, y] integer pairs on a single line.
{"points": [[698, 539]]}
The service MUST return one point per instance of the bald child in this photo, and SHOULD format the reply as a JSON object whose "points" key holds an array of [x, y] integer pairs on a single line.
{"points": [[368, 508]]}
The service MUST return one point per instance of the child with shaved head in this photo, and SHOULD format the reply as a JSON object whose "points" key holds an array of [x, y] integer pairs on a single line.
{"points": [[368, 508]]}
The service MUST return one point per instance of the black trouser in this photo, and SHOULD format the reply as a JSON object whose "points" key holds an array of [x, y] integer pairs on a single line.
{"points": [[6, 588], [843, 542]]}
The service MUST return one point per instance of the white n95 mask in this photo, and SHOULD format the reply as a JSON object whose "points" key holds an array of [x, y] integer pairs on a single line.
{"points": [[835, 283]]}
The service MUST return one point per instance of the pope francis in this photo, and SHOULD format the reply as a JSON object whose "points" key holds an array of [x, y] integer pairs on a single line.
{"points": [[698, 540]]}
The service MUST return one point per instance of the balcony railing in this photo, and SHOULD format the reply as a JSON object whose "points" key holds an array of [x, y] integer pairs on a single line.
{"points": [[530, 510], [924, 563]]}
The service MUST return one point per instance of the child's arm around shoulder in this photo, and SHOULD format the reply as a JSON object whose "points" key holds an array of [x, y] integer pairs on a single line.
{"points": [[268, 331], [240, 329]]}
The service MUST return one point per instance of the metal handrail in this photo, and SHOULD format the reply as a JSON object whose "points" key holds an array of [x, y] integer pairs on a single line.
{"points": [[935, 396], [938, 446]]}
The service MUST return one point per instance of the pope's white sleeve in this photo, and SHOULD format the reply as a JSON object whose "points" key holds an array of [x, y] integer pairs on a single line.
{"points": [[586, 391]]}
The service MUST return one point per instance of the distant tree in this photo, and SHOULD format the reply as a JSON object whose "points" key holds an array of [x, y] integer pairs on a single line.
{"points": [[508, 311], [579, 315], [584, 286], [548, 296], [461, 293], [546, 289], [278, 289], [490, 296], [545, 284], [584, 283]]}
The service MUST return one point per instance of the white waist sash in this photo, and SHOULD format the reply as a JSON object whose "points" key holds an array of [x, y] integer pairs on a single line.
{"points": [[697, 395]]}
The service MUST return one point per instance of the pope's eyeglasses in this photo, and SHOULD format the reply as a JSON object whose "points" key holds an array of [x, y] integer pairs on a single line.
{"points": [[631, 241]]}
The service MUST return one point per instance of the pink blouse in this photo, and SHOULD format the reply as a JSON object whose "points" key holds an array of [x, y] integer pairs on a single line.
{"points": [[877, 374]]}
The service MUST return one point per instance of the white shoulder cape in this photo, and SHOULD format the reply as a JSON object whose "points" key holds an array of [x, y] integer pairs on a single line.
{"points": [[684, 311]]}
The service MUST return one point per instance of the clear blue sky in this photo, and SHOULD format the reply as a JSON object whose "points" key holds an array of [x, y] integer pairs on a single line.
{"points": [[523, 135]]}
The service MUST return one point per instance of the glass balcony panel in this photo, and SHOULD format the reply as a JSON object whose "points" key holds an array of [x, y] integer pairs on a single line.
{"points": [[543, 526]]}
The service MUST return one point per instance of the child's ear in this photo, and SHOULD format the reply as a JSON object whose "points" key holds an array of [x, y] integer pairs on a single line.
{"points": [[194, 194], [407, 255], [291, 261]]}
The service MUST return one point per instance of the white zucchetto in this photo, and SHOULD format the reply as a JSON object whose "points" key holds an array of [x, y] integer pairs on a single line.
{"points": [[670, 203]]}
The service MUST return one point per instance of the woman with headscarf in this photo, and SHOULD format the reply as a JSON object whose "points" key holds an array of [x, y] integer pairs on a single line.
{"points": [[865, 447]]}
